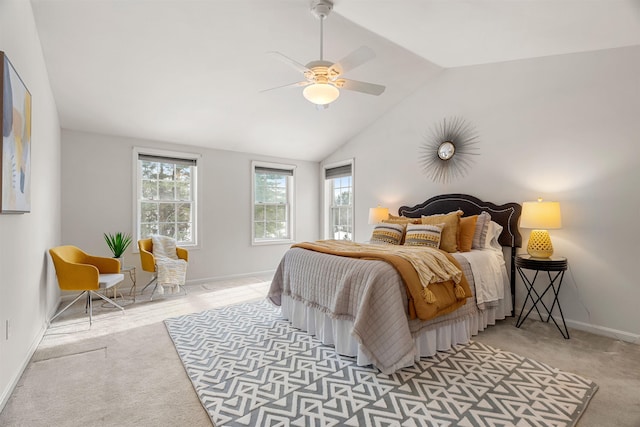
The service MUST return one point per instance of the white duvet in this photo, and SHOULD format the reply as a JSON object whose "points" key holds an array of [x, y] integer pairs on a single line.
{"points": [[488, 269]]}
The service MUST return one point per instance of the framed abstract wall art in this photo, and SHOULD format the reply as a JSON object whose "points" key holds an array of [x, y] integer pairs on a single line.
{"points": [[15, 122]]}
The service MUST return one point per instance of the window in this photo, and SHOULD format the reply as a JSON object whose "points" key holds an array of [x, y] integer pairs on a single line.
{"points": [[272, 220], [339, 201], [166, 195]]}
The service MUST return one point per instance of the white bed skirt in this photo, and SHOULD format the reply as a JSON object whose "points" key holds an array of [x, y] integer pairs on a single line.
{"points": [[427, 342]]}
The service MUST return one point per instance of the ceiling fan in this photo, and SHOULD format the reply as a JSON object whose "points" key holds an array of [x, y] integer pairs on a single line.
{"points": [[323, 79]]}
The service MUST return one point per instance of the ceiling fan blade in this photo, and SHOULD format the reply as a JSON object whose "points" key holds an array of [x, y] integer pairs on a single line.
{"points": [[364, 87], [297, 84], [351, 61], [295, 64]]}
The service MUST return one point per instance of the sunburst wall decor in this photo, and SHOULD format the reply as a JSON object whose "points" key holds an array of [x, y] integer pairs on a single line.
{"points": [[447, 151]]}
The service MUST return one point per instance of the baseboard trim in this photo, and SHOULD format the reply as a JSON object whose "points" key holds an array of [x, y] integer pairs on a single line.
{"points": [[6, 394], [601, 330], [228, 277], [593, 329]]}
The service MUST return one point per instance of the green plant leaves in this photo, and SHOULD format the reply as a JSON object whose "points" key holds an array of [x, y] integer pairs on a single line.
{"points": [[117, 242]]}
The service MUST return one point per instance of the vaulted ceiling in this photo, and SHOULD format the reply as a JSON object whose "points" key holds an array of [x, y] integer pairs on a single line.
{"points": [[194, 71]]}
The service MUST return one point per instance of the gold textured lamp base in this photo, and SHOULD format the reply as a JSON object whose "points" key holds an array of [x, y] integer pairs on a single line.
{"points": [[539, 245]]}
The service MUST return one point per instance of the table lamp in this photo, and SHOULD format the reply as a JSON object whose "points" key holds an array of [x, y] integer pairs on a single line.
{"points": [[540, 216], [377, 215]]}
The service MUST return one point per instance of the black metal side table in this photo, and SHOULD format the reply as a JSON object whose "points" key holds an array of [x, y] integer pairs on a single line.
{"points": [[556, 265]]}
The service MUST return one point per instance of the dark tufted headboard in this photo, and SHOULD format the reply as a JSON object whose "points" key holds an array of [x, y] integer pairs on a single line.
{"points": [[507, 215]]}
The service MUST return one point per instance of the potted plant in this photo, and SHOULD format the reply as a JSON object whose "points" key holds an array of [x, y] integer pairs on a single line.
{"points": [[118, 243]]}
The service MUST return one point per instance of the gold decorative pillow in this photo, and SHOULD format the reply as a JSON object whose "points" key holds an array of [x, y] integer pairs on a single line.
{"points": [[390, 234], [467, 230], [449, 237], [423, 235], [402, 220]]}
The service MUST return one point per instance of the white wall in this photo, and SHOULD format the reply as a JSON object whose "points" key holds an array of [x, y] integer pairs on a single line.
{"points": [[564, 128], [97, 197], [28, 291]]}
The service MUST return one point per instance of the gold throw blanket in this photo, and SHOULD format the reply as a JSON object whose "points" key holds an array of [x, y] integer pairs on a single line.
{"points": [[433, 279]]}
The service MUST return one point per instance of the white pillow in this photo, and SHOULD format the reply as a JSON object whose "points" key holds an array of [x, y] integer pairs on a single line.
{"points": [[493, 233], [480, 235]]}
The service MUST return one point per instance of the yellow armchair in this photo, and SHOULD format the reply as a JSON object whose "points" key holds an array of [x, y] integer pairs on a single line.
{"points": [[148, 261], [79, 271]]}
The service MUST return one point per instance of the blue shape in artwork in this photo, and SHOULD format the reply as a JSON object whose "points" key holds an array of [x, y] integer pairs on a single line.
{"points": [[7, 101]]}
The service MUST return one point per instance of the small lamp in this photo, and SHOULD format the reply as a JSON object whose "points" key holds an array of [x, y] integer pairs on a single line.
{"points": [[540, 216], [377, 215]]}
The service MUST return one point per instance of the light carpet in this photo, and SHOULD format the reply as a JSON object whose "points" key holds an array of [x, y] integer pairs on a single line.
{"points": [[249, 367]]}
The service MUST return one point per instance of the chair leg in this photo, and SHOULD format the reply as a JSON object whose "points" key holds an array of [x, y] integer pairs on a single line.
{"points": [[68, 305], [90, 301], [88, 306], [153, 279], [109, 300], [153, 291]]}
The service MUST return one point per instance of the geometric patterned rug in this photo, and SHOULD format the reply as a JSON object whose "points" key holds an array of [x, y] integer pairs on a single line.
{"points": [[249, 367]]}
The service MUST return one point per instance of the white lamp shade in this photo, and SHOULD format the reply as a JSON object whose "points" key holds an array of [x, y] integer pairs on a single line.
{"points": [[321, 93], [377, 215], [541, 215]]}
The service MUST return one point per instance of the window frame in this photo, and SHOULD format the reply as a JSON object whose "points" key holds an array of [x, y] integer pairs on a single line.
{"points": [[195, 183], [290, 202], [327, 189]]}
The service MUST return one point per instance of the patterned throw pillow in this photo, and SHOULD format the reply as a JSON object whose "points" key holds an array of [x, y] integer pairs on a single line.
{"points": [[423, 235], [480, 235], [467, 231], [449, 237], [390, 234]]}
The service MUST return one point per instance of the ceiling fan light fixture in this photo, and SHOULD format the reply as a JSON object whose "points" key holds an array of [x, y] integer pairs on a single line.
{"points": [[321, 93], [323, 79]]}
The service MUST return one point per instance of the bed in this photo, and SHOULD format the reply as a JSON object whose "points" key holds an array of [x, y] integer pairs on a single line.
{"points": [[362, 306]]}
